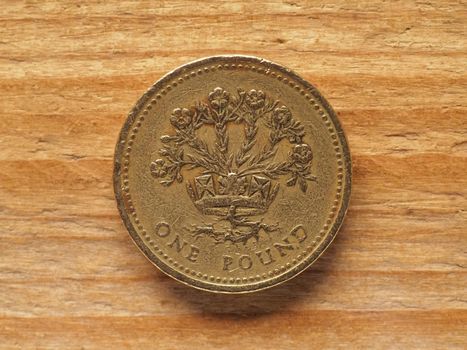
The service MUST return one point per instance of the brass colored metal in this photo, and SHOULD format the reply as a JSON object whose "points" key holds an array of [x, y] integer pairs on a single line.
{"points": [[232, 174]]}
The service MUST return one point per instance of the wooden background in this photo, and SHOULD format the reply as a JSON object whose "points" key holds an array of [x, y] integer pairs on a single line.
{"points": [[395, 278]]}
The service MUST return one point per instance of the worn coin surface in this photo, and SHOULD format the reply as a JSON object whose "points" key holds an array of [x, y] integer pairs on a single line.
{"points": [[232, 174]]}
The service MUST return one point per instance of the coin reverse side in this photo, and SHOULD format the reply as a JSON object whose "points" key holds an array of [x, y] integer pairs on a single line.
{"points": [[232, 174]]}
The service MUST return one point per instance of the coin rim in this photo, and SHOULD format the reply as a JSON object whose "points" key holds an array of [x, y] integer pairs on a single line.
{"points": [[246, 287]]}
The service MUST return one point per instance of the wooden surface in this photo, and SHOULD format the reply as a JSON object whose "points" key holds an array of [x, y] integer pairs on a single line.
{"points": [[395, 278]]}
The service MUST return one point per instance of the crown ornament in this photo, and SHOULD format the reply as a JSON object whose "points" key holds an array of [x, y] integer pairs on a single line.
{"points": [[234, 184]]}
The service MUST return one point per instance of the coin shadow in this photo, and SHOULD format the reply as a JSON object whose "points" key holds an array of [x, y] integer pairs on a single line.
{"points": [[287, 295]]}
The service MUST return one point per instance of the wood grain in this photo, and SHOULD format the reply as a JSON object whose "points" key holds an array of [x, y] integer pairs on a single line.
{"points": [[395, 277]]}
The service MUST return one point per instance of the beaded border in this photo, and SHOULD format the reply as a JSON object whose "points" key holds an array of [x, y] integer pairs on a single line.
{"points": [[340, 173]]}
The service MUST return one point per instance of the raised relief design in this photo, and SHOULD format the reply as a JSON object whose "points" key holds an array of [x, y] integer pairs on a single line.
{"points": [[234, 183]]}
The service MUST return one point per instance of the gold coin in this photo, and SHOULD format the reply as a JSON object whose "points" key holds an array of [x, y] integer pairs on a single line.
{"points": [[232, 174]]}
